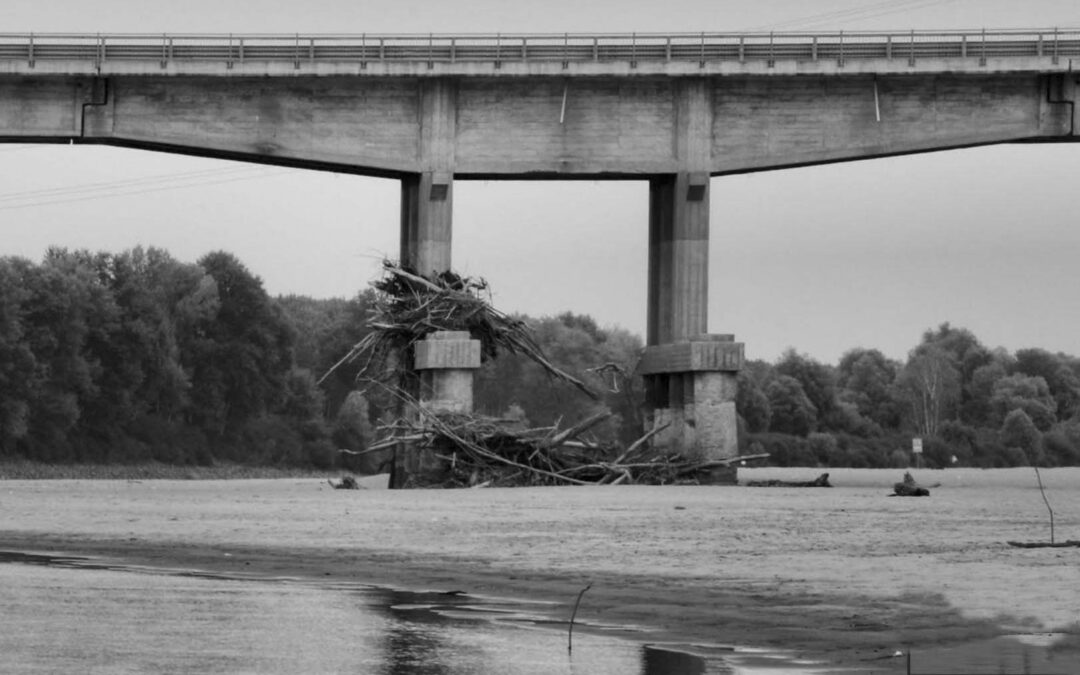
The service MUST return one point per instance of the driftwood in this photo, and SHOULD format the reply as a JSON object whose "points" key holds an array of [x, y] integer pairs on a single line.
{"points": [[478, 450], [820, 481], [1045, 544], [909, 488], [346, 483]]}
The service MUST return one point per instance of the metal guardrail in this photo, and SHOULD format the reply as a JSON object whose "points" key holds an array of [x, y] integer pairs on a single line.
{"points": [[566, 48]]}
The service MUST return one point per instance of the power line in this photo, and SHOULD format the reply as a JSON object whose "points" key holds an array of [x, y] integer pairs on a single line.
{"points": [[131, 193], [129, 182], [853, 13]]}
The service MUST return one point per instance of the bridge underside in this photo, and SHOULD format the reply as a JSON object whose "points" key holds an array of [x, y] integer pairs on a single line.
{"points": [[674, 132]]}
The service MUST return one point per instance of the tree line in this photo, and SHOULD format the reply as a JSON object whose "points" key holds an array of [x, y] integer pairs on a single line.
{"points": [[971, 406], [135, 356]]}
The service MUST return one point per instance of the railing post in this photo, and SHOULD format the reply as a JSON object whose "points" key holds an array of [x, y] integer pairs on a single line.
{"points": [[595, 49], [524, 49], [982, 59], [100, 50], [311, 50], [296, 52], [840, 57], [1055, 46], [888, 47], [228, 57], [240, 47], [813, 49], [701, 56], [382, 49], [963, 46], [633, 50], [742, 49], [566, 51], [911, 52], [453, 50], [1039, 46], [498, 51], [667, 50], [772, 51], [30, 51]]}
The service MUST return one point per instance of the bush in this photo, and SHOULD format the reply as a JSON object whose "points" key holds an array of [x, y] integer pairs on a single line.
{"points": [[784, 450]]}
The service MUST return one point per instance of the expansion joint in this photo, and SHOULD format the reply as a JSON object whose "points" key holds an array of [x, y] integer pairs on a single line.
{"points": [[1058, 93], [96, 103]]}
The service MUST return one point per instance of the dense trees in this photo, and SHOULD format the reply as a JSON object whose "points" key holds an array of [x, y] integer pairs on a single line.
{"points": [[971, 405], [135, 356]]}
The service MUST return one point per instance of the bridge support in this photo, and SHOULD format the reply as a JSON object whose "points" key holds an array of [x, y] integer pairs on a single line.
{"points": [[690, 376], [426, 221]]}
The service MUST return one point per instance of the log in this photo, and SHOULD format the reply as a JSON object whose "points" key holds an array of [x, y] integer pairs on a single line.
{"points": [[1045, 544], [820, 481], [909, 488]]}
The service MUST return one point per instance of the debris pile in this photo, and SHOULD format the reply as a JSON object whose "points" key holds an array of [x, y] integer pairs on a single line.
{"points": [[408, 307], [474, 450], [482, 451]]}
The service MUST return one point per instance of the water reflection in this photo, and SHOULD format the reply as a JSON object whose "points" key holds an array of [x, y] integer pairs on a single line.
{"points": [[71, 615]]}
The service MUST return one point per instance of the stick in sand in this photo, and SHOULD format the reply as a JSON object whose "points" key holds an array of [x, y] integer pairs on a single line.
{"points": [[570, 635]]}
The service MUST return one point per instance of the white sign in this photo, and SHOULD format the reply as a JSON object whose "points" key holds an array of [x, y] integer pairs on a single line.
{"points": [[916, 446]]}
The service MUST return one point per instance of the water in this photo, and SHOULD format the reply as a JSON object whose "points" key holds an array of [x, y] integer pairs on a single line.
{"points": [[64, 615]]}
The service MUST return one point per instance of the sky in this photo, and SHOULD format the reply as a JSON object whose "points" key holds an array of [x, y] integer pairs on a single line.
{"points": [[820, 259]]}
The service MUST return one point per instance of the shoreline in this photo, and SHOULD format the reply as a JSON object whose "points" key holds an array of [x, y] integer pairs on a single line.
{"points": [[844, 576], [676, 612]]}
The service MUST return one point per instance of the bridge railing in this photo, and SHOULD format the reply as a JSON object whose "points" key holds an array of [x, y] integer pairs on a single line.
{"points": [[566, 48]]}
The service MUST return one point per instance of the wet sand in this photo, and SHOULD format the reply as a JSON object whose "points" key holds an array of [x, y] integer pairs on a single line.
{"points": [[847, 574]]}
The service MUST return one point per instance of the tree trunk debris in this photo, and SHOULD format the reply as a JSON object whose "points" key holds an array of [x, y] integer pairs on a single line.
{"points": [[483, 451], [820, 481], [909, 488]]}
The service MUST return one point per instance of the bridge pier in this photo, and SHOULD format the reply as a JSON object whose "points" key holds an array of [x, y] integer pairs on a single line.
{"points": [[690, 376], [427, 203]]}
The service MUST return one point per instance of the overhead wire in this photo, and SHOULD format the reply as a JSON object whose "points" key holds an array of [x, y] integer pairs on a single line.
{"points": [[852, 13], [109, 185], [124, 192]]}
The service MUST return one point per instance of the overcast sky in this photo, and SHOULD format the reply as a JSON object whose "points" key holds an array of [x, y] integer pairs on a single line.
{"points": [[822, 259]]}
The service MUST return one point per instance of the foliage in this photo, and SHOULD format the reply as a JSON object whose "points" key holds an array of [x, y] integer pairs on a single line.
{"points": [[134, 358], [792, 410]]}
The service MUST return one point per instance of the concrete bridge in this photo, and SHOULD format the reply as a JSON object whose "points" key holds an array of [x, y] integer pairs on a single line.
{"points": [[672, 110]]}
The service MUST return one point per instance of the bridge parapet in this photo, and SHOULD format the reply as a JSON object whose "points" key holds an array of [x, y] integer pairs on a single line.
{"points": [[676, 54]]}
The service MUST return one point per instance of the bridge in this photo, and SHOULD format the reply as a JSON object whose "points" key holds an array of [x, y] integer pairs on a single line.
{"points": [[672, 110]]}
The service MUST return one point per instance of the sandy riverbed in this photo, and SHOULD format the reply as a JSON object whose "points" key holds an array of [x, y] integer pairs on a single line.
{"points": [[847, 573]]}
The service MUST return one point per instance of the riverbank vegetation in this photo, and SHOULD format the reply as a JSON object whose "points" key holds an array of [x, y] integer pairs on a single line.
{"points": [[136, 358]]}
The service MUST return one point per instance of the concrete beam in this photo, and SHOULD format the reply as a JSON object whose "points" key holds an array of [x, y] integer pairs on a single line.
{"points": [[632, 126]]}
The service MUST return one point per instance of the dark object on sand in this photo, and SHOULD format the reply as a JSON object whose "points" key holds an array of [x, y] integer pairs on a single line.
{"points": [[1045, 544], [909, 488], [346, 483], [820, 481]]}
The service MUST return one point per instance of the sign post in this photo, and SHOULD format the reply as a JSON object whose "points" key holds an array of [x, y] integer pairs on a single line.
{"points": [[916, 448]]}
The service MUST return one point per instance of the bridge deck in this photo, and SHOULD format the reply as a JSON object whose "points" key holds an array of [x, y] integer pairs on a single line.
{"points": [[677, 54]]}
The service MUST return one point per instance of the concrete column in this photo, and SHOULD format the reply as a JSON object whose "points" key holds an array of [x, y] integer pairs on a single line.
{"points": [[426, 221], [678, 257], [691, 386], [427, 198], [445, 361], [690, 376]]}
